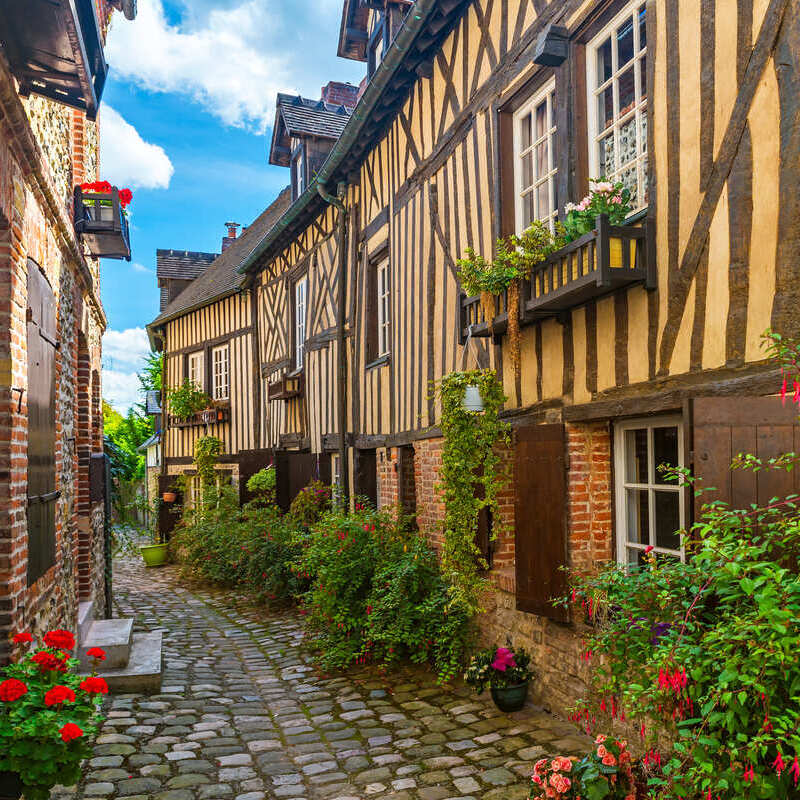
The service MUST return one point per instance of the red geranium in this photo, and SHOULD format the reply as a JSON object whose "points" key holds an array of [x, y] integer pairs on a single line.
{"points": [[47, 662], [96, 652], [70, 731], [63, 640], [97, 186], [58, 695], [125, 197], [12, 690], [22, 638], [94, 685]]}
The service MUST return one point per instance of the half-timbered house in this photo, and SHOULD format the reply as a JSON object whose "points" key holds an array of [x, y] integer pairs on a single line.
{"points": [[639, 344]]}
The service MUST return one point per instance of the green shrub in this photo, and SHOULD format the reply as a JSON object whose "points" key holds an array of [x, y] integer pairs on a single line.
{"points": [[262, 485], [310, 504]]}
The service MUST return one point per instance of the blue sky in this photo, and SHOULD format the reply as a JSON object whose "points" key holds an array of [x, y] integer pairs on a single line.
{"points": [[185, 122]]}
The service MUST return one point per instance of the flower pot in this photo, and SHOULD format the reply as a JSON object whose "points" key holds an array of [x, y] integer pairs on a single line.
{"points": [[155, 555], [169, 497], [472, 399], [510, 698], [10, 786]]}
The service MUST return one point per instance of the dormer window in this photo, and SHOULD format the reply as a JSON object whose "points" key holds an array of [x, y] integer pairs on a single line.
{"points": [[298, 167]]}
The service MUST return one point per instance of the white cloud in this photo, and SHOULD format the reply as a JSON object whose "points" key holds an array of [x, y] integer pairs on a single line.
{"points": [[127, 159], [224, 60], [123, 357], [137, 267]]}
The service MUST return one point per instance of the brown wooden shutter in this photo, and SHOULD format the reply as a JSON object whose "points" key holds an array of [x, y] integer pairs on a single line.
{"points": [[371, 312], [507, 197], [42, 494], [723, 427], [541, 519]]}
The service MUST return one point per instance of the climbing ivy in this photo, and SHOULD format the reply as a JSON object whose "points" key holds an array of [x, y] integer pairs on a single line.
{"points": [[470, 460], [206, 450]]}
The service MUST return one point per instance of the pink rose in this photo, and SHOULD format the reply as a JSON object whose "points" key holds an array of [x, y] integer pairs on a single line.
{"points": [[503, 659], [609, 760]]}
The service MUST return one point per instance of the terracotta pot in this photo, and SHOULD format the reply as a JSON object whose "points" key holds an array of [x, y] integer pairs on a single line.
{"points": [[10, 786], [169, 497]]}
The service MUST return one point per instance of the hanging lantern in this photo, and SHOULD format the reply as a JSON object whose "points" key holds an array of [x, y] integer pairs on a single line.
{"points": [[472, 399]]}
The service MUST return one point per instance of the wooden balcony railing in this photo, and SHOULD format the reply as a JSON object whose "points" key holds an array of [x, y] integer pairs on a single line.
{"points": [[220, 413], [471, 315], [286, 387]]}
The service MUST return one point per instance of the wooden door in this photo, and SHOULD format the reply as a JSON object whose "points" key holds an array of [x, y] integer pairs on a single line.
{"points": [[42, 494], [540, 519], [366, 475]]}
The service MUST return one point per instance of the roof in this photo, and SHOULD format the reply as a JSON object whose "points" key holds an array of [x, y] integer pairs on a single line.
{"points": [[152, 402], [154, 439], [353, 30], [221, 278], [182, 265], [297, 116]]}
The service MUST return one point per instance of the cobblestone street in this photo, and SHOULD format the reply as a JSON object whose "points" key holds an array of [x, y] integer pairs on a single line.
{"points": [[244, 714]]}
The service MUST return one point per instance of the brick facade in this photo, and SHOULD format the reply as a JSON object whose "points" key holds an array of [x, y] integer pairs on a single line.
{"points": [[43, 150]]}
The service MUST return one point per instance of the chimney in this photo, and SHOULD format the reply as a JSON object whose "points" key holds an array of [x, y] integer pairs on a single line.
{"points": [[228, 240], [340, 94]]}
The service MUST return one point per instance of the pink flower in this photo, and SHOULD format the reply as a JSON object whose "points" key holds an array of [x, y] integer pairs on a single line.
{"points": [[601, 751], [749, 775], [540, 765], [609, 760], [778, 765], [649, 549], [794, 771], [503, 659]]}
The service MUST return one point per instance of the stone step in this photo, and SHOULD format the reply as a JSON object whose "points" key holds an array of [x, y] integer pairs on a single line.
{"points": [[114, 636], [85, 619], [142, 674]]}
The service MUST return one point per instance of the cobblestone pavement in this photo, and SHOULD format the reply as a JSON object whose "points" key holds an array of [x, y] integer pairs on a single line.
{"points": [[244, 714]]}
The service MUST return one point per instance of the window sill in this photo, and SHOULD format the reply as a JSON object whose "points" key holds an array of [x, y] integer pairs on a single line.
{"points": [[380, 361]]}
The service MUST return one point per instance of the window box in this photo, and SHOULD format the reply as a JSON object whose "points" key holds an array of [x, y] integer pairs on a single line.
{"points": [[218, 413], [600, 261], [101, 224], [286, 387]]}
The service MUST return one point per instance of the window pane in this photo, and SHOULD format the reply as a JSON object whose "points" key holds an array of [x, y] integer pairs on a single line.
{"points": [[665, 450], [541, 119], [525, 132], [528, 212], [636, 557], [643, 173], [642, 29], [627, 92], [604, 68], [605, 108], [606, 159], [643, 77], [638, 515], [668, 520], [627, 141], [629, 178], [541, 159], [527, 170], [643, 126], [542, 201], [625, 43], [636, 456]]}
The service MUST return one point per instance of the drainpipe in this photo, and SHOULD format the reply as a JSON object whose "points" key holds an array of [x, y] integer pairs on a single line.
{"points": [[341, 389]]}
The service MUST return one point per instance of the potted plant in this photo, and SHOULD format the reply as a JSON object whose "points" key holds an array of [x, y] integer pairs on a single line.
{"points": [[507, 673], [605, 197], [47, 715], [156, 554], [187, 400]]}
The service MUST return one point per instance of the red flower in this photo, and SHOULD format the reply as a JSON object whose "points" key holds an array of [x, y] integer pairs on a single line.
{"points": [[12, 690], [58, 695], [70, 731], [649, 549], [125, 197], [22, 638], [64, 640], [96, 653], [47, 662], [94, 685]]}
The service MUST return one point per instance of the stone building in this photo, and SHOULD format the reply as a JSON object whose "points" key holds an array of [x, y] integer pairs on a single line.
{"points": [[52, 544]]}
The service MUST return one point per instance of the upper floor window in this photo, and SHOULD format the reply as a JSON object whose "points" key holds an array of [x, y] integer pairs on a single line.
{"points": [[220, 373], [194, 368], [617, 87], [650, 510], [535, 159], [376, 47], [384, 307], [299, 168], [300, 295]]}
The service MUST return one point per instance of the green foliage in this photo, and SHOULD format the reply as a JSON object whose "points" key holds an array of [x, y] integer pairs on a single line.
{"points": [[498, 668], [126, 434], [611, 199], [31, 743], [378, 595], [262, 485], [151, 376], [186, 400], [206, 452], [310, 503], [472, 477], [515, 256]]}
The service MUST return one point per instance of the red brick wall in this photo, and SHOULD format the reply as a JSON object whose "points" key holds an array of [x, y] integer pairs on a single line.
{"points": [[388, 484]]}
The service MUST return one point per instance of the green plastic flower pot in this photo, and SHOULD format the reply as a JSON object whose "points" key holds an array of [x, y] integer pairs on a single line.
{"points": [[510, 698], [155, 555], [10, 786]]}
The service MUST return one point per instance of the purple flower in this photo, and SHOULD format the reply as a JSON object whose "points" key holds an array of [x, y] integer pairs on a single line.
{"points": [[503, 659]]}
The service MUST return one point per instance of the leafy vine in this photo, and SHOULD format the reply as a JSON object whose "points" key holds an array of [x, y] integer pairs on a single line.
{"points": [[206, 451], [472, 477]]}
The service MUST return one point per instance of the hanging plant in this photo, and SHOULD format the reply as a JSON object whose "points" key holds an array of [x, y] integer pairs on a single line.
{"points": [[186, 400], [206, 452], [470, 460]]}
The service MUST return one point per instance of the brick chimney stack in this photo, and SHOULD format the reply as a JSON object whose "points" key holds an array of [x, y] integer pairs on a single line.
{"points": [[228, 240], [340, 94]]}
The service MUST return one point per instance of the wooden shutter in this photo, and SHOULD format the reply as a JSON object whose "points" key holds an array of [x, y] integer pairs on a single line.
{"points": [[723, 427], [294, 471], [42, 494], [541, 519], [371, 311]]}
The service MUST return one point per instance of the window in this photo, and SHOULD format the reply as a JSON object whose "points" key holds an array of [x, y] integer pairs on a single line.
{"points": [[300, 292], [221, 373], [650, 510], [377, 41], [535, 160], [384, 307], [617, 70], [299, 171], [194, 369]]}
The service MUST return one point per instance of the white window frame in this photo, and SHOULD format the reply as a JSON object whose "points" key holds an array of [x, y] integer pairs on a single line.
{"points": [[194, 369], [299, 166], [383, 286], [300, 303], [220, 373], [545, 93], [639, 110], [621, 485]]}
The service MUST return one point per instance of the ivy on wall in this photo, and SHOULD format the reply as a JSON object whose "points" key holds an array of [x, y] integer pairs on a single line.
{"points": [[206, 451], [472, 477]]}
